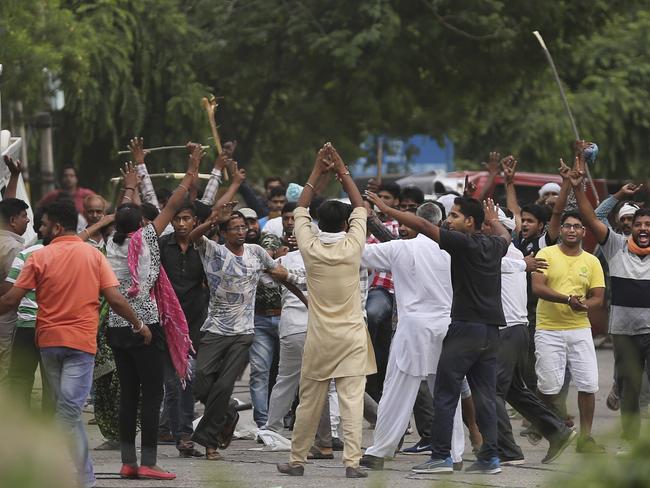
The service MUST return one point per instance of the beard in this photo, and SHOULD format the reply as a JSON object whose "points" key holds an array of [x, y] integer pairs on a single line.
{"points": [[253, 237]]}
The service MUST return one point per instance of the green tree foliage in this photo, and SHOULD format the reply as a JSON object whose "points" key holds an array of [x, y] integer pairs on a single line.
{"points": [[295, 73]]}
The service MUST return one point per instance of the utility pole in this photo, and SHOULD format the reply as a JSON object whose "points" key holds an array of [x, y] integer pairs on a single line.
{"points": [[44, 125]]}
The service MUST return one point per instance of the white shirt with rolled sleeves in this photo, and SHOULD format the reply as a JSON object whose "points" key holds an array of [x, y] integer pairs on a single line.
{"points": [[513, 287], [423, 293]]}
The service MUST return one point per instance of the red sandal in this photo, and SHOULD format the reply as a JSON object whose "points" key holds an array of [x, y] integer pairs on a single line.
{"points": [[147, 472]]}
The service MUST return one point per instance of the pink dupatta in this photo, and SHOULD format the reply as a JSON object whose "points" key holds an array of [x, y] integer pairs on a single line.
{"points": [[172, 318]]}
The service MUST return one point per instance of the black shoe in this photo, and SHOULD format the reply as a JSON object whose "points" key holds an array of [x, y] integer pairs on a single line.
{"points": [[320, 453], [372, 462], [337, 444], [351, 472], [587, 445], [458, 466], [291, 469], [558, 446]]}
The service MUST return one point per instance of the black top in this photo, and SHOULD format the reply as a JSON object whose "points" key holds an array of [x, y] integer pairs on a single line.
{"points": [[475, 276], [185, 272]]}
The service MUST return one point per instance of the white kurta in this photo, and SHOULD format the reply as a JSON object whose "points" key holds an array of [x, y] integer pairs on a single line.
{"points": [[514, 296], [423, 293]]}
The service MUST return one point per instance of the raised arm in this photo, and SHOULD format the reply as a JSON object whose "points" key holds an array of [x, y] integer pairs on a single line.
{"points": [[237, 178], [492, 167], [576, 178], [14, 171], [212, 187], [560, 204], [176, 200], [322, 166], [129, 184], [491, 211], [219, 214], [138, 154], [509, 168], [105, 221], [408, 219], [344, 176]]}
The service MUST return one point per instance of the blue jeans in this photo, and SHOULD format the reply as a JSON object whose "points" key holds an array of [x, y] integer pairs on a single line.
{"points": [[178, 407], [266, 345], [69, 373], [469, 349]]}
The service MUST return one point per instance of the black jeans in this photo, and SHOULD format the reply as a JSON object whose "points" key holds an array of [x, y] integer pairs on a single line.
{"points": [[512, 361], [220, 361], [631, 353], [25, 358], [469, 349], [178, 406], [140, 369], [423, 412], [379, 308]]}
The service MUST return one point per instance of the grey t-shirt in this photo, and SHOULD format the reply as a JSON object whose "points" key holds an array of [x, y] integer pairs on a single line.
{"points": [[233, 282], [629, 313]]}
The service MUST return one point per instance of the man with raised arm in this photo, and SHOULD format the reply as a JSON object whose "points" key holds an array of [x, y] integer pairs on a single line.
{"points": [[476, 314], [337, 345], [629, 315]]}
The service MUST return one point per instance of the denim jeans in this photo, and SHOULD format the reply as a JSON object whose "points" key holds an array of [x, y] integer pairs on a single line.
{"points": [[469, 348], [266, 345], [69, 373], [178, 405], [379, 308]]}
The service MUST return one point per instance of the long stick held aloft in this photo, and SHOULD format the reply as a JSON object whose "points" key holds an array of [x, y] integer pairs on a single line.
{"points": [[566, 104]]}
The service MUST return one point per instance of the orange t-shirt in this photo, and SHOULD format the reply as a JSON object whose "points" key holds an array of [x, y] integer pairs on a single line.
{"points": [[67, 275]]}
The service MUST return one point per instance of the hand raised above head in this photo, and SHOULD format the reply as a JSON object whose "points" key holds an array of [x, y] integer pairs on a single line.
{"points": [[14, 165], [492, 164], [222, 213], [375, 200], [130, 175], [509, 168], [194, 160], [491, 210], [138, 153]]}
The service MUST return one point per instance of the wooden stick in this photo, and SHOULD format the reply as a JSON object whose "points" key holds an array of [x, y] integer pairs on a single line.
{"points": [[161, 148], [380, 158], [210, 105]]}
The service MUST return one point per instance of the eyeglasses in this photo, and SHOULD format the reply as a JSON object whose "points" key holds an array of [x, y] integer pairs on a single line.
{"points": [[239, 228], [572, 226]]}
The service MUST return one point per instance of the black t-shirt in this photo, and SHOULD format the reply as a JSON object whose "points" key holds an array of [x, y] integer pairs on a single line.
{"points": [[475, 275]]}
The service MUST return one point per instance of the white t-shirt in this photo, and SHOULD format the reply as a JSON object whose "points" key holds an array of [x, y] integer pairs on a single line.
{"points": [[274, 226]]}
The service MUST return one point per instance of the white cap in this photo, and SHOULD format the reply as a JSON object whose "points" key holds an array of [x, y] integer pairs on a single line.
{"points": [[507, 222], [627, 209], [447, 201], [549, 187], [248, 213]]}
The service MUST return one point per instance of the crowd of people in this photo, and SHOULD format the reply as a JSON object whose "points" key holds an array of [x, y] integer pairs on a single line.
{"points": [[448, 307]]}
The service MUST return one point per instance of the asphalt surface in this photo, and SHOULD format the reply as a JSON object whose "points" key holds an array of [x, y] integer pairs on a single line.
{"points": [[246, 465]]}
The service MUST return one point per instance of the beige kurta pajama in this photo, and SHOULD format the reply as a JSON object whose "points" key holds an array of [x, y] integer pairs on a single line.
{"points": [[337, 344]]}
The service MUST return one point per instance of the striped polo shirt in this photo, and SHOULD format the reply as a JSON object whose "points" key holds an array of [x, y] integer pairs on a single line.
{"points": [[630, 286], [28, 307]]}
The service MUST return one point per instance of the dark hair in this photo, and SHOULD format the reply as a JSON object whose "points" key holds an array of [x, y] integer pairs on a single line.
{"points": [[289, 207], [11, 207], [38, 220], [235, 215], [128, 218], [471, 207], [277, 191], [63, 213], [413, 193], [163, 194], [316, 202], [271, 179], [69, 166], [642, 212], [392, 188], [187, 206], [540, 212], [203, 211], [439, 188], [570, 213], [332, 215], [149, 211]]}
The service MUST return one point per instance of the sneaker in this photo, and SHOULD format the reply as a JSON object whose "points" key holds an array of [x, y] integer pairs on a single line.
{"points": [[485, 466], [517, 461], [558, 446], [587, 445], [374, 463], [435, 466], [458, 466], [532, 435], [337, 444], [421, 447]]}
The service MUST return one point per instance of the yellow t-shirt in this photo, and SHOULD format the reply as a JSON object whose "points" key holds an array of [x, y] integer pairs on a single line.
{"points": [[569, 275]]}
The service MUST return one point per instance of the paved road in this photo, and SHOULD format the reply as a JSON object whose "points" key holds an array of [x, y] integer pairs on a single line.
{"points": [[246, 466]]}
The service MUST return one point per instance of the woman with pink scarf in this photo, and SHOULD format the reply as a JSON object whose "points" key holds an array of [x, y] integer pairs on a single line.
{"points": [[134, 255]]}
